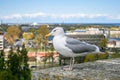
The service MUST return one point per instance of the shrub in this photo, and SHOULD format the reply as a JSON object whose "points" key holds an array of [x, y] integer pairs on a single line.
{"points": [[17, 64], [6, 75], [2, 61], [102, 56], [115, 55], [91, 57]]}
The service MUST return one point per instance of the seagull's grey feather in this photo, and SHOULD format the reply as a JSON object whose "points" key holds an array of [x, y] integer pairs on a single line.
{"points": [[79, 47], [73, 41]]}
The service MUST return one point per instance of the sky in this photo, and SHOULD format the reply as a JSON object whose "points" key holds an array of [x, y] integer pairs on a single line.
{"points": [[60, 11]]}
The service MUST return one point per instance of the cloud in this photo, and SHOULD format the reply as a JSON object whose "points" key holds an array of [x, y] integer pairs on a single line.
{"points": [[62, 16], [34, 15], [83, 15], [117, 17], [20, 16]]}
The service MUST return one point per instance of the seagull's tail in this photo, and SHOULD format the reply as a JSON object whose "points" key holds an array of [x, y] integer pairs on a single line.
{"points": [[97, 49]]}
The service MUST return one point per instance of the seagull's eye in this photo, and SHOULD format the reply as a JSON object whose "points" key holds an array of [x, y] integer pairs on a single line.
{"points": [[54, 31]]}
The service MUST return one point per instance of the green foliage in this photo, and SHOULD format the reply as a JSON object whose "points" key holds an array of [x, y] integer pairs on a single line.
{"points": [[115, 50], [17, 65], [6, 75], [91, 57], [24, 56], [115, 55], [43, 30], [26, 72], [103, 43], [2, 61], [38, 40], [14, 63], [102, 56], [12, 33]]}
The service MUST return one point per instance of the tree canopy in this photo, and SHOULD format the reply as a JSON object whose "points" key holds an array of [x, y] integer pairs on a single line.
{"points": [[13, 33], [43, 30]]}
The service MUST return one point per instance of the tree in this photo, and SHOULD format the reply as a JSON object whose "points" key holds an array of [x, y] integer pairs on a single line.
{"points": [[28, 36], [6, 75], [26, 72], [40, 39], [17, 64], [2, 61], [43, 30], [14, 63], [103, 43], [13, 33]]}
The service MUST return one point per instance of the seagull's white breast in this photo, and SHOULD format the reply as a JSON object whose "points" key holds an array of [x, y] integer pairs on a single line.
{"points": [[59, 43]]}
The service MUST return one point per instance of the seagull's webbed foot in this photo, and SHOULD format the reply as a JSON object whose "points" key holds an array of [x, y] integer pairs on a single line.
{"points": [[69, 68]]}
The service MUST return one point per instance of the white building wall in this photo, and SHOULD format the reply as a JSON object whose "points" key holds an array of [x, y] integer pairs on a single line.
{"points": [[1, 42], [117, 44], [114, 46]]}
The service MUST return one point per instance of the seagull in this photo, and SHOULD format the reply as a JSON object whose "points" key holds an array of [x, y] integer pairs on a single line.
{"points": [[70, 47]]}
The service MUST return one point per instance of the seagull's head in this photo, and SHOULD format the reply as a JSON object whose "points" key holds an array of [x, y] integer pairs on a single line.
{"points": [[56, 31]]}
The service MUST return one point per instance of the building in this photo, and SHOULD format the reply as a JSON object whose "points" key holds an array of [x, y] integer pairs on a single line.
{"points": [[115, 33], [113, 43], [1, 40], [88, 31], [91, 35], [92, 39]]}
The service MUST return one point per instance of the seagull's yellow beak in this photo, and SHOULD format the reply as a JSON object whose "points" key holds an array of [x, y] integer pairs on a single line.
{"points": [[47, 35]]}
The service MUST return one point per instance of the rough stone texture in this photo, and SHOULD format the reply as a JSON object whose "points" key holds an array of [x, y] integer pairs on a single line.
{"points": [[98, 70]]}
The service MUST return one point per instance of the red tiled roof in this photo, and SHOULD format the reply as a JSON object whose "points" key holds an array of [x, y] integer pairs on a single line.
{"points": [[41, 54]]}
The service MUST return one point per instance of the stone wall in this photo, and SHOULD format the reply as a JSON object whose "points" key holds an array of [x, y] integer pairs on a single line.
{"points": [[98, 70]]}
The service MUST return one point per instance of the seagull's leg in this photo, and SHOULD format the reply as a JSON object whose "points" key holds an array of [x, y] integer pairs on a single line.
{"points": [[70, 64], [73, 59]]}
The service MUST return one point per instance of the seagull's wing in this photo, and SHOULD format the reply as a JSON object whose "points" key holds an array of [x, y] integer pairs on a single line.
{"points": [[79, 47]]}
